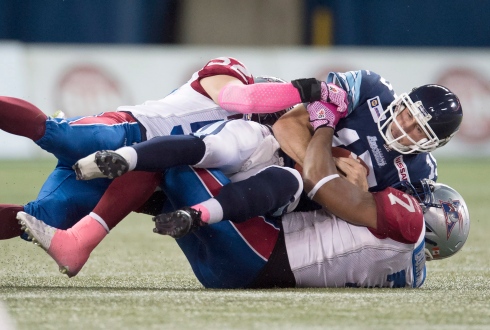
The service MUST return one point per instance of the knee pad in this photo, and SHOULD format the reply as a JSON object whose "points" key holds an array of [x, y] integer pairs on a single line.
{"points": [[289, 207]]}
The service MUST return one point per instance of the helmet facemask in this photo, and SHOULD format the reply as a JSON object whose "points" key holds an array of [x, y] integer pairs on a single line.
{"points": [[421, 116]]}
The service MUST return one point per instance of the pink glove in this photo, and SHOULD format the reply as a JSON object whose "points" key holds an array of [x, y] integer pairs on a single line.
{"points": [[324, 114], [334, 94]]}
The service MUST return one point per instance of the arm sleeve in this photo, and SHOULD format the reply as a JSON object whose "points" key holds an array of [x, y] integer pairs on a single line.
{"points": [[258, 98], [399, 216]]}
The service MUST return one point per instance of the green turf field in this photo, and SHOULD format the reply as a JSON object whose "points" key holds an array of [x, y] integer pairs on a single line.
{"points": [[138, 280]]}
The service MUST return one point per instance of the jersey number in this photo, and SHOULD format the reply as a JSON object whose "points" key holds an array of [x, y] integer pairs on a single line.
{"points": [[395, 200]]}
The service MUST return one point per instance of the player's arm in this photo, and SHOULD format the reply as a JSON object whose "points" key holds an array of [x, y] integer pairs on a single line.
{"points": [[390, 213], [214, 84], [228, 83], [353, 170], [338, 195], [233, 95], [293, 132]]}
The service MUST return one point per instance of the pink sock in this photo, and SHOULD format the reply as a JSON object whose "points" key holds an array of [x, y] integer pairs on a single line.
{"points": [[71, 248], [89, 232], [204, 212]]}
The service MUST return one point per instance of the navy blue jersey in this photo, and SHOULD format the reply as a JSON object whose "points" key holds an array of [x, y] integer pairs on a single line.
{"points": [[369, 94]]}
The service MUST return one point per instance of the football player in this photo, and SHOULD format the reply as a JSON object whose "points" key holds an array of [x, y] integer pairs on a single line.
{"points": [[392, 134], [210, 211], [384, 241], [222, 88]]}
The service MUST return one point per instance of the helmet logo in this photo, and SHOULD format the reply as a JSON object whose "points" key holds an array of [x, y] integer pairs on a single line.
{"points": [[425, 115], [452, 214]]}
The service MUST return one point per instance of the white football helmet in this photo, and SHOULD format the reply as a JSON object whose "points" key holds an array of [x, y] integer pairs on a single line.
{"points": [[447, 219]]}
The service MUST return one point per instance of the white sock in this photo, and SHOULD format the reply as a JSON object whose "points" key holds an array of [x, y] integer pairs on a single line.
{"points": [[215, 210], [100, 220], [130, 155]]}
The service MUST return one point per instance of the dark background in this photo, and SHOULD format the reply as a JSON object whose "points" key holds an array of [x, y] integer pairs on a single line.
{"points": [[439, 23]]}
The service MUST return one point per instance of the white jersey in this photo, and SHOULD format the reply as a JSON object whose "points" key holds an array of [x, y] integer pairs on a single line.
{"points": [[188, 108], [325, 251]]}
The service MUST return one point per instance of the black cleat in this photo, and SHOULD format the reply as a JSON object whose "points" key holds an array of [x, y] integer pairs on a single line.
{"points": [[178, 223], [111, 164]]}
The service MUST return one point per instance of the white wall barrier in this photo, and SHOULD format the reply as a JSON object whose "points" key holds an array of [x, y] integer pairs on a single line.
{"points": [[84, 80]]}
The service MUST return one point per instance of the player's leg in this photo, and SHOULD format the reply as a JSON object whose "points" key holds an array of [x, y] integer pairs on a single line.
{"points": [[9, 228], [156, 154], [272, 191], [22, 118], [72, 139], [71, 248], [68, 140], [61, 201], [226, 145], [221, 255]]}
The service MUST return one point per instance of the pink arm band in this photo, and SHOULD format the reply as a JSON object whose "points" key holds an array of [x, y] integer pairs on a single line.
{"points": [[258, 98]]}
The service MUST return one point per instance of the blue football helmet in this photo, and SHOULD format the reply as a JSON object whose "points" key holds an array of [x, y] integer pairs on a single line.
{"points": [[447, 219], [437, 110]]}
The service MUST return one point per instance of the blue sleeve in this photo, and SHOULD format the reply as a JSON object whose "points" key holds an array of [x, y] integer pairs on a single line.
{"points": [[361, 85], [350, 82]]}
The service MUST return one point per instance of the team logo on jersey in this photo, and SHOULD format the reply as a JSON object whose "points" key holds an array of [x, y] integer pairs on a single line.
{"points": [[321, 114], [402, 169], [376, 109], [452, 215], [377, 153]]}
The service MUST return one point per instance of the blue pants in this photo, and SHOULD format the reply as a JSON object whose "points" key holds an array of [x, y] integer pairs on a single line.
{"points": [[222, 255], [63, 200]]}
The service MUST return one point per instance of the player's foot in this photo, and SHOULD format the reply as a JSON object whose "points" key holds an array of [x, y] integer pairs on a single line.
{"points": [[178, 223], [101, 164], [61, 245]]}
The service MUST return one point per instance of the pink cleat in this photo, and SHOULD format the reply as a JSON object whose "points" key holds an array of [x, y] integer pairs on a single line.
{"points": [[67, 247]]}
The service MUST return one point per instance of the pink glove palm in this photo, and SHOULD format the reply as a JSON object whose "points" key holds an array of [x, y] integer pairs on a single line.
{"points": [[324, 114]]}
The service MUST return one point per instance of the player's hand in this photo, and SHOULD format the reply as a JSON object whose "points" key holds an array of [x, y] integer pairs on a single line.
{"points": [[352, 170], [332, 93], [324, 114]]}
